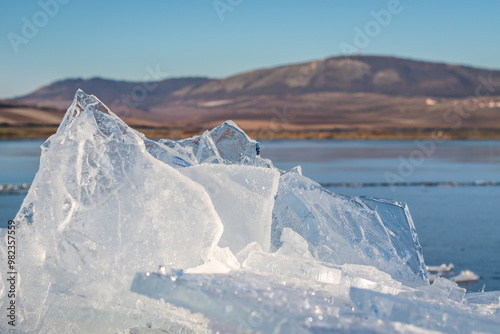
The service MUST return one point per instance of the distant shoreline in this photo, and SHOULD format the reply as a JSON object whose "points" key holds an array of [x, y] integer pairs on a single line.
{"points": [[43, 132]]}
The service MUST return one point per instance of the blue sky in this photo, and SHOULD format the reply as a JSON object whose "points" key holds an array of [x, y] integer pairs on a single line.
{"points": [[121, 39]]}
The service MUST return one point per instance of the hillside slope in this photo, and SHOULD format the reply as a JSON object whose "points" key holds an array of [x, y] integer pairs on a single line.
{"points": [[366, 93]]}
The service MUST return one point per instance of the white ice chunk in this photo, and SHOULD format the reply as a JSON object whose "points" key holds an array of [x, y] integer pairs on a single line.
{"points": [[251, 247], [487, 303], [222, 260], [450, 289], [433, 314], [243, 301], [244, 198], [293, 259], [465, 276], [441, 269]]}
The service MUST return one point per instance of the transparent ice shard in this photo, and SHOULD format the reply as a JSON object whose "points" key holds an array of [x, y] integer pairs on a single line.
{"points": [[225, 144], [369, 278], [342, 229], [102, 207]]}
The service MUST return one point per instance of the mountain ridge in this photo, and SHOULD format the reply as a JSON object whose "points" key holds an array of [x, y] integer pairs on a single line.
{"points": [[371, 93], [369, 74]]}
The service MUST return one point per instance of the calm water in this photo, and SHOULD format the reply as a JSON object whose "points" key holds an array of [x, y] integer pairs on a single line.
{"points": [[455, 224]]}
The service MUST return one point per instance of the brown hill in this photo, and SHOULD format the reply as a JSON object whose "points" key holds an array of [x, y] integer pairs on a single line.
{"points": [[363, 93], [370, 74], [60, 94]]}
